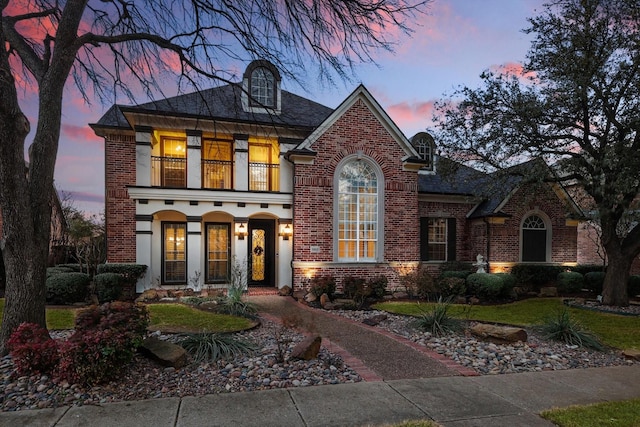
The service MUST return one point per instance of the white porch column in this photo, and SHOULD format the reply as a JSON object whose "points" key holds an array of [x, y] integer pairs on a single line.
{"points": [[241, 245], [285, 253], [194, 251], [143, 155], [194, 156], [144, 249], [241, 150]]}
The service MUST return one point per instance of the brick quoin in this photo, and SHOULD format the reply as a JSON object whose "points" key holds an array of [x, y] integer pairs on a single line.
{"points": [[120, 171]]}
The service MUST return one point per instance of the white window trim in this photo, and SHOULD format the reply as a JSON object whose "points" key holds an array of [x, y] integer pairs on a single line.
{"points": [[379, 256]]}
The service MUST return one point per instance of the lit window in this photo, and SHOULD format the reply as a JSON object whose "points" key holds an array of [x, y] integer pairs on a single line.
{"points": [[217, 164], [218, 253], [263, 86], [437, 239], [264, 166], [357, 212], [174, 252]]}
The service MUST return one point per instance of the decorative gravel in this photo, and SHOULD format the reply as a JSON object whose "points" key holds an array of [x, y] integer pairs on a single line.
{"points": [[487, 358], [145, 379]]}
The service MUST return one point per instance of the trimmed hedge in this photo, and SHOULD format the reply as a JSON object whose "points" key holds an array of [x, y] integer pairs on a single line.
{"points": [[535, 276], [485, 285], [594, 280], [508, 282], [76, 268], [587, 268], [457, 266], [460, 274], [52, 271], [451, 286], [67, 288], [108, 286], [130, 274], [570, 282]]}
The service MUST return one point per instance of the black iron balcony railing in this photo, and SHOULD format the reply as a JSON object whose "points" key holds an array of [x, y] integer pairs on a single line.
{"points": [[264, 176], [169, 172], [217, 174]]}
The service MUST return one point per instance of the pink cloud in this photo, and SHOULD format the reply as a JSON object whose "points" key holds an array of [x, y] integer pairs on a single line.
{"points": [[80, 133], [412, 116], [515, 69]]}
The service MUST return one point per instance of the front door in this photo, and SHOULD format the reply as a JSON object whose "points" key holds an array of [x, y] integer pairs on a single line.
{"points": [[261, 252]]}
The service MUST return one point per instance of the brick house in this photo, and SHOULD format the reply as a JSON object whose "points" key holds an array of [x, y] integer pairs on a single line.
{"points": [[292, 189]]}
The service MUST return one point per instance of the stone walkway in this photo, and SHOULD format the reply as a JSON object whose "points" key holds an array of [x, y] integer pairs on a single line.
{"points": [[374, 353]]}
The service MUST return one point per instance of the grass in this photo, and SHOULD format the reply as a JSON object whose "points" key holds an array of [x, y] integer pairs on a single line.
{"points": [[624, 413], [616, 331], [182, 318], [167, 317]]}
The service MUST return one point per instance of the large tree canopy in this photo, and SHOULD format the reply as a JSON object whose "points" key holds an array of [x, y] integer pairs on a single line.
{"points": [[576, 104], [116, 46]]}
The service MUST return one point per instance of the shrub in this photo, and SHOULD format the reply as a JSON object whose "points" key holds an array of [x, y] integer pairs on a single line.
{"points": [[570, 282], [32, 350], [104, 342], [508, 282], [108, 286], [377, 286], [587, 268], [562, 327], [451, 286], [457, 266], [535, 276], [52, 271], [130, 273], [205, 347], [594, 280], [461, 274], [351, 286], [323, 285], [485, 285], [418, 283], [67, 288], [73, 268], [437, 319], [234, 305], [633, 285]]}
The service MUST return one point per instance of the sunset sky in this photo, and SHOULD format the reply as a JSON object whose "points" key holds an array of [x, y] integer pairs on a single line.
{"points": [[451, 47]]}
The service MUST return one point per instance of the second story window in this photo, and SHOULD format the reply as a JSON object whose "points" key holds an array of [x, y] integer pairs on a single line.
{"points": [[264, 166], [170, 168], [424, 145], [263, 85], [217, 164]]}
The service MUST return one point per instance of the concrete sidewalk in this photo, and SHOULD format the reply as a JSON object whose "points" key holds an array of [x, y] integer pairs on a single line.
{"points": [[501, 400]]}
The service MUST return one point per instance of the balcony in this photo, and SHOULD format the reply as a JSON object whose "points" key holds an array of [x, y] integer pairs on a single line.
{"points": [[217, 174], [170, 172], [264, 176]]}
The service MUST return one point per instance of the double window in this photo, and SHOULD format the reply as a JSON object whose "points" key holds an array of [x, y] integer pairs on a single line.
{"points": [[437, 239], [358, 219]]}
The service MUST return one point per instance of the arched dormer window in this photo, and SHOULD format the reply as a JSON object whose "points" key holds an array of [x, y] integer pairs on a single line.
{"points": [[261, 88], [425, 146], [359, 199], [535, 235]]}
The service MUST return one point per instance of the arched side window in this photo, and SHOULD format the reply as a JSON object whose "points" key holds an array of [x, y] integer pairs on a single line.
{"points": [[425, 146], [536, 238], [358, 211], [263, 88]]}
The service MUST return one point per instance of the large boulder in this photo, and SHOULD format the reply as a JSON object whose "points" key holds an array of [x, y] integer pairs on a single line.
{"points": [[164, 352], [502, 333], [632, 354], [307, 349], [284, 291]]}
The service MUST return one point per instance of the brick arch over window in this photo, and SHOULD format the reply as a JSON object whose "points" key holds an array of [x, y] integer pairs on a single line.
{"points": [[358, 210], [535, 237]]}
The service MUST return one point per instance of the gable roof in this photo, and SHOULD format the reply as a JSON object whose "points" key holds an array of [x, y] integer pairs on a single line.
{"points": [[361, 93], [220, 103]]}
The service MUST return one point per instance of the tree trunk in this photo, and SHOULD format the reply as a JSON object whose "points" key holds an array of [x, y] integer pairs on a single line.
{"points": [[614, 289]]}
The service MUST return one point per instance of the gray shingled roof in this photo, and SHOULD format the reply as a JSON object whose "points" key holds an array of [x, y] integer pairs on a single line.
{"points": [[223, 103]]}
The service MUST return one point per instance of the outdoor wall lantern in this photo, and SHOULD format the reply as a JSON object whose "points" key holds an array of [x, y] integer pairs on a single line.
{"points": [[242, 232], [286, 232]]}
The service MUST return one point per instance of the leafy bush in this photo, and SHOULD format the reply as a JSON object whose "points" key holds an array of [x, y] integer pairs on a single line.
{"points": [[451, 286], [570, 282], [234, 305], [594, 280], [67, 288], [562, 327], [461, 274], [508, 282], [633, 286], [32, 350], [73, 268], [587, 268], [535, 276], [457, 266], [418, 283], [205, 347], [323, 285], [108, 286], [52, 271], [130, 273], [437, 319], [104, 342], [352, 286], [485, 285], [377, 286]]}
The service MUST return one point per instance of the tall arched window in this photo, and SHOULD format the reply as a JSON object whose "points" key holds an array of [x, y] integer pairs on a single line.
{"points": [[534, 239], [358, 215], [263, 86]]}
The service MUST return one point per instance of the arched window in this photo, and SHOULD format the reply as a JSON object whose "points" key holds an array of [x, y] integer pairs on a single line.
{"points": [[425, 146], [535, 239], [358, 214], [263, 87]]}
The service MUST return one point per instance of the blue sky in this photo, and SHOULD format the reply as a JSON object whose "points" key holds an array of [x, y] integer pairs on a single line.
{"points": [[450, 47]]}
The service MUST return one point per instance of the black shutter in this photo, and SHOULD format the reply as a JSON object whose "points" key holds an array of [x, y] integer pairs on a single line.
{"points": [[424, 239], [451, 239]]}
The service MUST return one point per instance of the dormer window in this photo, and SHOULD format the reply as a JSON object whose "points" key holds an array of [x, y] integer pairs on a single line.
{"points": [[261, 88], [425, 146]]}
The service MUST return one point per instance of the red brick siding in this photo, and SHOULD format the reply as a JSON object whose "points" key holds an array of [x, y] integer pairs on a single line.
{"points": [[120, 171], [357, 130]]}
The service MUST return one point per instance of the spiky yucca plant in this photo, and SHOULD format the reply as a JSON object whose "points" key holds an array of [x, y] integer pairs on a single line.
{"points": [[562, 327], [437, 319], [209, 347]]}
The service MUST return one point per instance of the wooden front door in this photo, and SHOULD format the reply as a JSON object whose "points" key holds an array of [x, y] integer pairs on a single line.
{"points": [[261, 259]]}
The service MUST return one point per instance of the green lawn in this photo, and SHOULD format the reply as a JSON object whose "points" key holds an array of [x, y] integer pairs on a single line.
{"points": [[614, 330], [167, 317], [625, 413]]}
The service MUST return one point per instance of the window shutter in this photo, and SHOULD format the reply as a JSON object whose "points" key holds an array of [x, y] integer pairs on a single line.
{"points": [[451, 239], [424, 239]]}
